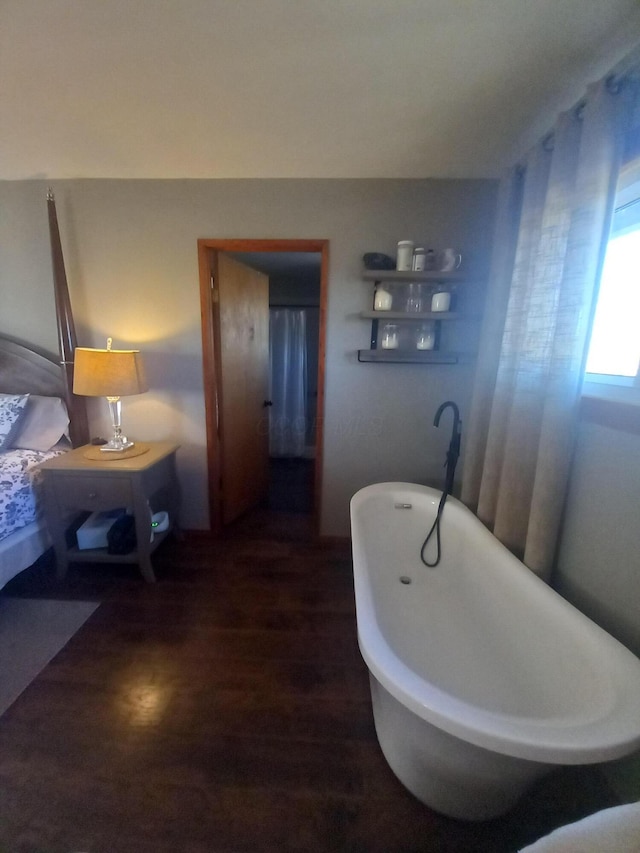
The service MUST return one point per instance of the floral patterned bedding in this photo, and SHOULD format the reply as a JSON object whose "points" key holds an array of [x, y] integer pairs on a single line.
{"points": [[20, 487]]}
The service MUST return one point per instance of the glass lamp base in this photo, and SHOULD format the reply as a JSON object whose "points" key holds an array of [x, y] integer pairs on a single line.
{"points": [[118, 442], [117, 445]]}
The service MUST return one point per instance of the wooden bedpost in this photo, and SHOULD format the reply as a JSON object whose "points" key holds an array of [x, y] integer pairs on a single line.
{"points": [[67, 341]]}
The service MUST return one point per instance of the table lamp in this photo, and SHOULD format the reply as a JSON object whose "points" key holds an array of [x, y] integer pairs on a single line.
{"points": [[109, 373]]}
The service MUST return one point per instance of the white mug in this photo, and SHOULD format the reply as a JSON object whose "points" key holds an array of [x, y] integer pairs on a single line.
{"points": [[450, 260], [441, 301]]}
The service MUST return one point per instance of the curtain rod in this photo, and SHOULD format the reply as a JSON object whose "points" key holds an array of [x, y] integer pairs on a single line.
{"points": [[628, 66], [626, 70]]}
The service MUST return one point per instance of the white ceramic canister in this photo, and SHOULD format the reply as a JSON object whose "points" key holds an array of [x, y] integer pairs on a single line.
{"points": [[404, 256]]}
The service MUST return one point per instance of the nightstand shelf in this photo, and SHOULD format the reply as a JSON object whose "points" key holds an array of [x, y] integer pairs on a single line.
{"points": [[101, 555], [143, 484]]}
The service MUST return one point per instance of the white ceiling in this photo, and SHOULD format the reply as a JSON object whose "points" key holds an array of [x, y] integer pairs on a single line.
{"points": [[292, 88]]}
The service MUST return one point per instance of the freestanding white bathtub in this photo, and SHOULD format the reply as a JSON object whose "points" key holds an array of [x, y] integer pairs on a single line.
{"points": [[482, 677]]}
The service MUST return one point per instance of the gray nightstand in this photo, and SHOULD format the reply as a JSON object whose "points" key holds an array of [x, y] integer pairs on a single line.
{"points": [[75, 483]]}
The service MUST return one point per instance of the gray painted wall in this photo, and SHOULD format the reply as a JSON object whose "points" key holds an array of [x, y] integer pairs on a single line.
{"points": [[130, 252], [599, 558]]}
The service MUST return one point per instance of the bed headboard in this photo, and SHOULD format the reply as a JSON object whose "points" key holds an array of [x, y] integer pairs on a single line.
{"points": [[25, 369]]}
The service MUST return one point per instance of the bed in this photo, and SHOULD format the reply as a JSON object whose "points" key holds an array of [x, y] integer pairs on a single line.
{"points": [[40, 417]]}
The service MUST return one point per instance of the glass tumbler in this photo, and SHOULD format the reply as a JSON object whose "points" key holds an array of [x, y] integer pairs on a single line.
{"points": [[414, 299]]}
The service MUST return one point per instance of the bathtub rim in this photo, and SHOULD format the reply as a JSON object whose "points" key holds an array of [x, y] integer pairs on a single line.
{"points": [[551, 740]]}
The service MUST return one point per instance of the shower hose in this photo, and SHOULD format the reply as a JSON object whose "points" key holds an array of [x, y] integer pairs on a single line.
{"points": [[450, 464], [435, 528]]}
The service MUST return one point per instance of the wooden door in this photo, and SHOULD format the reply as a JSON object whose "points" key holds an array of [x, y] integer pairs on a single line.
{"points": [[209, 250], [242, 296]]}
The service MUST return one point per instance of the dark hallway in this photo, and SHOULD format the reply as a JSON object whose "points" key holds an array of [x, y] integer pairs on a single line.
{"points": [[291, 483]]}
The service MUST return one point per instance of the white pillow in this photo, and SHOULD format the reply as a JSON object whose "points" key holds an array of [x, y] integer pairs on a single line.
{"points": [[44, 423], [11, 411]]}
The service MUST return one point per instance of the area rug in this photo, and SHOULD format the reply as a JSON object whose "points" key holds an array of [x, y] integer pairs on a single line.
{"points": [[32, 632]]}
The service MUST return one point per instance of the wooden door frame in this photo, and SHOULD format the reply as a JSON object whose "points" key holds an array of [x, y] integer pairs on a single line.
{"points": [[207, 254]]}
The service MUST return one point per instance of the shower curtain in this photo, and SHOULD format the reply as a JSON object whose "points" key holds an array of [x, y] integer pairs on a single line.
{"points": [[288, 381]]}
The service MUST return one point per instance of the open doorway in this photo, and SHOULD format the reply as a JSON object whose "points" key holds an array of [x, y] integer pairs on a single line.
{"points": [[294, 326], [297, 275]]}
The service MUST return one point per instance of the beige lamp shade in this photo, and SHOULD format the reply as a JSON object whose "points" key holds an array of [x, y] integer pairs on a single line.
{"points": [[108, 373]]}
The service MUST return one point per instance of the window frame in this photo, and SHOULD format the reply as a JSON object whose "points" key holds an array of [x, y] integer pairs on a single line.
{"points": [[615, 387]]}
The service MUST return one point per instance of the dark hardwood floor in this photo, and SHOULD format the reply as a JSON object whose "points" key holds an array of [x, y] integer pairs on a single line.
{"points": [[225, 709]]}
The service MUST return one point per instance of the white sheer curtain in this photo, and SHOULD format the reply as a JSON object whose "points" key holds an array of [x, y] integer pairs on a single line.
{"points": [[288, 378], [552, 229]]}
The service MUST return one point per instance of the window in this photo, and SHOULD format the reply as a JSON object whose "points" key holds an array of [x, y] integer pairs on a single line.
{"points": [[614, 351]]}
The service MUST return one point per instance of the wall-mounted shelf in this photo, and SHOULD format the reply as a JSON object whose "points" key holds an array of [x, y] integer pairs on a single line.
{"points": [[413, 317], [402, 277], [397, 356], [405, 354]]}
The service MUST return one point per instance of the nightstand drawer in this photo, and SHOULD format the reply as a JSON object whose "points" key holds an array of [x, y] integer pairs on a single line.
{"points": [[93, 492]]}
